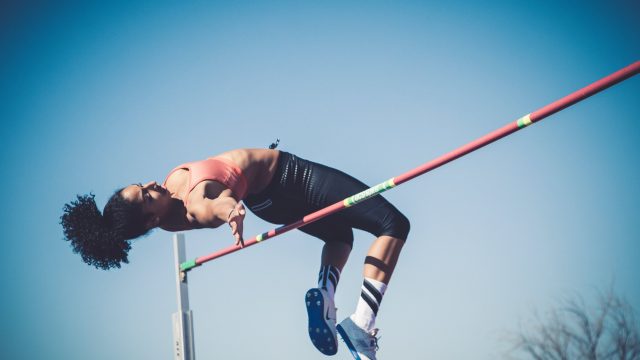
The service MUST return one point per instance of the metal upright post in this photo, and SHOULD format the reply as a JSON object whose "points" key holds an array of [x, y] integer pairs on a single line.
{"points": [[183, 348]]}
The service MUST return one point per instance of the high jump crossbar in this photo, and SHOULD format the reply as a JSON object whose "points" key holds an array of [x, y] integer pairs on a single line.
{"points": [[508, 129]]}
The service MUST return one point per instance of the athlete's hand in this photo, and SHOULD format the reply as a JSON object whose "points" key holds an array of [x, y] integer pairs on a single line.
{"points": [[235, 220]]}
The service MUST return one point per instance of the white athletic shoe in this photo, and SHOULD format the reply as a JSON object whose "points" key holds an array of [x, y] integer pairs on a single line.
{"points": [[322, 321], [363, 345]]}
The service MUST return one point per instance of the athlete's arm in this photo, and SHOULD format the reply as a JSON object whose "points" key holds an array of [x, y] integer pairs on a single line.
{"points": [[215, 212]]}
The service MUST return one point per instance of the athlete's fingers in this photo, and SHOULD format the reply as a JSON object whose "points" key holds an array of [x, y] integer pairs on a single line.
{"points": [[239, 240], [239, 234], [236, 218]]}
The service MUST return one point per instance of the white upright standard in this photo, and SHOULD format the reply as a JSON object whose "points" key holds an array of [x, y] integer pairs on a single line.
{"points": [[183, 348]]}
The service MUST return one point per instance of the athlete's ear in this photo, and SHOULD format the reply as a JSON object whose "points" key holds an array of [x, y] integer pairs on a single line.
{"points": [[153, 222]]}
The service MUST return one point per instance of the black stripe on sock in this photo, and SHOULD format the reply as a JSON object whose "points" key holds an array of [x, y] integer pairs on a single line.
{"points": [[321, 274], [333, 280], [373, 291], [372, 304], [325, 277]]}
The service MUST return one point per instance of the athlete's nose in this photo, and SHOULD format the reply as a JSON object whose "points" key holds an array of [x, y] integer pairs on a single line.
{"points": [[150, 184]]}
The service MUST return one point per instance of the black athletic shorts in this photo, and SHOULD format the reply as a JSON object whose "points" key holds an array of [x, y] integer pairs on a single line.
{"points": [[300, 187]]}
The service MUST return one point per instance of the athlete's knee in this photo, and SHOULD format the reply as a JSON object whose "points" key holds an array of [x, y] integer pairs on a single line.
{"points": [[400, 226], [404, 225]]}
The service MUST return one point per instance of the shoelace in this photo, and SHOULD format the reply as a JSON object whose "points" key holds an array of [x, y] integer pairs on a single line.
{"points": [[373, 334]]}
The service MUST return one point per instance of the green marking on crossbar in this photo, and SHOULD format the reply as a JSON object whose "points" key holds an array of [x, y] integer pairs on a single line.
{"points": [[369, 193], [524, 121], [188, 265]]}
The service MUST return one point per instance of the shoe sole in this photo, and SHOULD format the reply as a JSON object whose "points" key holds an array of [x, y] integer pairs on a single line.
{"points": [[345, 337], [320, 333]]}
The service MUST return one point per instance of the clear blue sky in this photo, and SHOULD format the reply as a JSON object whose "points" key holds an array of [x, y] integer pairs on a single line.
{"points": [[94, 97]]}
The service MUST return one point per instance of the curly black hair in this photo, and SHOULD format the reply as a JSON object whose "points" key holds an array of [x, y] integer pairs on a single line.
{"points": [[102, 239]]}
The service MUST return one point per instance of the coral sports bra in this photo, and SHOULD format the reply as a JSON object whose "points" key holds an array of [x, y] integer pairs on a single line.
{"points": [[217, 169]]}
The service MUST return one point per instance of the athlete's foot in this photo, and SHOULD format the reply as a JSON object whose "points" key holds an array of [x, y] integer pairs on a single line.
{"points": [[362, 344], [322, 321]]}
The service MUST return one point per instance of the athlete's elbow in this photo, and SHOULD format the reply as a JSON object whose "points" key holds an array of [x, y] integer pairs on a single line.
{"points": [[203, 215]]}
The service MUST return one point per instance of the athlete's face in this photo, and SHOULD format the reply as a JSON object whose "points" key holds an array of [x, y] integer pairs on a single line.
{"points": [[155, 200]]}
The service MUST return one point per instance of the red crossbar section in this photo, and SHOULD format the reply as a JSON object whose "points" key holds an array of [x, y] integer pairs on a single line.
{"points": [[508, 129], [535, 116], [275, 232]]}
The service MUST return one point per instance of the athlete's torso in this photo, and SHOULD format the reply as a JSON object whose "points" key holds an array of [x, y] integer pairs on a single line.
{"points": [[253, 167]]}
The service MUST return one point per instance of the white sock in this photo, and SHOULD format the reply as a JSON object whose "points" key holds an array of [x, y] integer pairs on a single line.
{"points": [[328, 279], [369, 303]]}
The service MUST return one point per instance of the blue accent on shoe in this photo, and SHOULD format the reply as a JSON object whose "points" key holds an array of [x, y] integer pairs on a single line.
{"points": [[320, 332], [345, 337]]}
